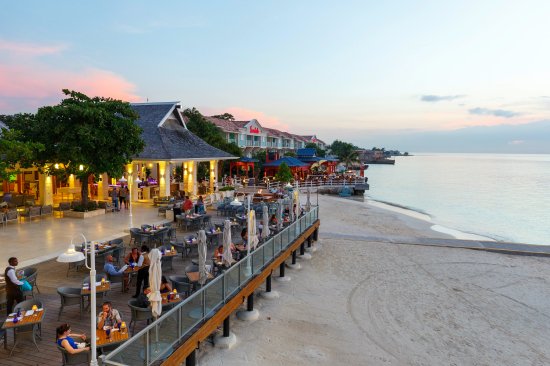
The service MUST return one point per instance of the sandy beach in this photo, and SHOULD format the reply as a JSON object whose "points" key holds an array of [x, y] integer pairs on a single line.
{"points": [[365, 299]]}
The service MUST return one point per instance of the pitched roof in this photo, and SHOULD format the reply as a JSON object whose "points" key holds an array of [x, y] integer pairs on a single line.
{"points": [[289, 160], [305, 152], [225, 125], [171, 141]]}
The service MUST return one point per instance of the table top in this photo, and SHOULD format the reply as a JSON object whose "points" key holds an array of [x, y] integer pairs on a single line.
{"points": [[134, 270], [117, 337], [104, 287], [35, 318], [170, 253], [194, 276], [173, 300]]}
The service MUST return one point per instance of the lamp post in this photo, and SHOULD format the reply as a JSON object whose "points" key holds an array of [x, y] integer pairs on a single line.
{"points": [[124, 180], [70, 256]]}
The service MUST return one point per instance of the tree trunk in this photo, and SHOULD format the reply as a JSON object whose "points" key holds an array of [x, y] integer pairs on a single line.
{"points": [[84, 191]]}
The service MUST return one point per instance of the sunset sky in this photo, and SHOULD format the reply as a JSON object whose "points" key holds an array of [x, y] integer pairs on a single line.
{"points": [[349, 69]]}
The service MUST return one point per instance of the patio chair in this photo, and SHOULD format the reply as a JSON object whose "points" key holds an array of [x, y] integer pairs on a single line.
{"points": [[63, 206], [31, 273], [166, 262], [32, 211], [75, 358], [138, 314], [27, 331], [181, 284], [12, 215], [116, 279], [70, 296], [46, 210], [136, 238]]}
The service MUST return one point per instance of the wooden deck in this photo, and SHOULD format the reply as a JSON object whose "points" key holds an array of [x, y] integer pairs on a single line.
{"points": [[52, 275]]}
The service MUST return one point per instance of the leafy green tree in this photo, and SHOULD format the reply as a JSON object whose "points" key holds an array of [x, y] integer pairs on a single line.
{"points": [[318, 151], [290, 153], [259, 166], [15, 153], [212, 134], [343, 150], [85, 136], [284, 174], [225, 116]]}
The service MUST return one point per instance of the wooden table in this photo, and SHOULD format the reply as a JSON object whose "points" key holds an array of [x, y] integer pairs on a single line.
{"points": [[117, 337], [103, 287], [169, 253], [35, 318], [131, 270], [194, 276]]}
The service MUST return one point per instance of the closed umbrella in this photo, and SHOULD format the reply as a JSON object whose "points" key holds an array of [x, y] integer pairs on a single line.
{"points": [[155, 276], [252, 236], [227, 257], [296, 206], [202, 257], [279, 214], [265, 226], [291, 208], [308, 202]]}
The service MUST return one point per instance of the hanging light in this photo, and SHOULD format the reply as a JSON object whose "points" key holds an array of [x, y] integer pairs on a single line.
{"points": [[81, 167], [70, 255], [123, 180]]}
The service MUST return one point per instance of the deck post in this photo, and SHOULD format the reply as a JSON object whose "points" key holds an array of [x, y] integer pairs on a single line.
{"points": [[250, 314], [191, 359], [282, 277], [227, 339], [268, 294]]}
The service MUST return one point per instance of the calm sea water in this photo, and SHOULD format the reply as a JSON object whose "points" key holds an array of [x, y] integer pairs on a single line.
{"points": [[504, 197]]}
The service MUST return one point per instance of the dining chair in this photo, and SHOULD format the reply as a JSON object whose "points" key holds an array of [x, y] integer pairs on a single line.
{"points": [[70, 296]]}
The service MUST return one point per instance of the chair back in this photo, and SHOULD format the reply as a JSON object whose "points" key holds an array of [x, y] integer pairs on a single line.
{"points": [[98, 278], [75, 358], [69, 295], [181, 284], [139, 313]]}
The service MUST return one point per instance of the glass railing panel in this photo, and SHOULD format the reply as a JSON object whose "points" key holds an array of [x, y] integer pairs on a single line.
{"points": [[231, 280], [161, 338], [191, 312], [268, 250], [213, 295], [132, 352], [277, 242], [245, 269], [258, 260]]}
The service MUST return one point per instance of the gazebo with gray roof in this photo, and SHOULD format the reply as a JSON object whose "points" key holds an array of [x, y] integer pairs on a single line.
{"points": [[168, 142]]}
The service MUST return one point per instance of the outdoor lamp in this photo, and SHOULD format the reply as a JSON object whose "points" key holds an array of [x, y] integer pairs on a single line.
{"points": [[71, 255], [123, 180]]}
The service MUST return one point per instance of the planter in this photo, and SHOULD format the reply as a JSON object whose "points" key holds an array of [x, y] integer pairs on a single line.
{"points": [[228, 194], [84, 215]]}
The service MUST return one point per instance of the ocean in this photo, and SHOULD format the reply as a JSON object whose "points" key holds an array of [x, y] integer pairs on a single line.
{"points": [[498, 196]]}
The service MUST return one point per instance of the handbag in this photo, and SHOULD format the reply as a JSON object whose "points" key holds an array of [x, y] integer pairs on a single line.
{"points": [[26, 286]]}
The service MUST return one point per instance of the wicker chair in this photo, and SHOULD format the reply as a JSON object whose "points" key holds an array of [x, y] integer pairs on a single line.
{"points": [[30, 275], [181, 284], [70, 296], [27, 331], [75, 358], [138, 314]]}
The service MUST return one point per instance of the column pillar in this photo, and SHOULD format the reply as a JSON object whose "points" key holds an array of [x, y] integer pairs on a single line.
{"points": [[268, 294], [213, 175], [164, 178], [105, 187], [250, 314], [191, 359], [228, 339], [282, 277], [194, 178], [294, 265], [45, 185]]}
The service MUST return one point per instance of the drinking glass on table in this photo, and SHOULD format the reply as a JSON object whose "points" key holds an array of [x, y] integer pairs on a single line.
{"points": [[108, 332]]}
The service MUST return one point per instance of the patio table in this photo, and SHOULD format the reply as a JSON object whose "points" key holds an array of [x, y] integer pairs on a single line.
{"points": [[28, 317]]}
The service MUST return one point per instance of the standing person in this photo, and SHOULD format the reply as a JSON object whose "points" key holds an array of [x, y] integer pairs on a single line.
{"points": [[127, 199], [13, 291], [199, 207], [143, 272], [114, 198], [122, 197]]}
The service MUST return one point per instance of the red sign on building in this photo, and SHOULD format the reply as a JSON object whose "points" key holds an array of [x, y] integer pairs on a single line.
{"points": [[254, 129]]}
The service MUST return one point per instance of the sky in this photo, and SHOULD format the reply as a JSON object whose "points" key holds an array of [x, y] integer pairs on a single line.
{"points": [[367, 72]]}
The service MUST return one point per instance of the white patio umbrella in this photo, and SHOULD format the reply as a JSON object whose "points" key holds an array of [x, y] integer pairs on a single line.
{"points": [[202, 257], [265, 219], [291, 208], [155, 276], [308, 201], [227, 257], [296, 205], [252, 236], [279, 214]]}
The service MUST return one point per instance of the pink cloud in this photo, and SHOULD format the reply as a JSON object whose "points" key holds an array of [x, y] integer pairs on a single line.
{"points": [[26, 87], [29, 48], [243, 114]]}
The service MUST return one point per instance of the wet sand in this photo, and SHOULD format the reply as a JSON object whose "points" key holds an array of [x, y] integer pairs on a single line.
{"points": [[363, 300]]}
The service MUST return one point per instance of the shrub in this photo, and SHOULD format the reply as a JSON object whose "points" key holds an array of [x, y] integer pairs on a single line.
{"points": [[227, 188]]}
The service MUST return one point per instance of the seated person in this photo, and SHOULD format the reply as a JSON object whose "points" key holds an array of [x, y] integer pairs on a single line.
{"points": [[111, 270], [108, 317], [187, 205], [218, 253], [273, 220], [66, 341], [244, 237], [132, 257], [142, 300], [165, 287]]}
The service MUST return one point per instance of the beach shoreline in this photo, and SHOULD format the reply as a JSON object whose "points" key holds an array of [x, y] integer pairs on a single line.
{"points": [[364, 298]]}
